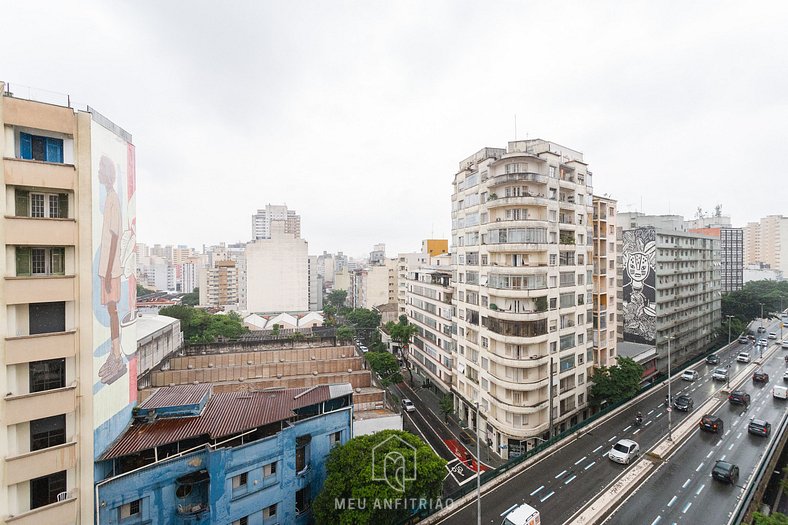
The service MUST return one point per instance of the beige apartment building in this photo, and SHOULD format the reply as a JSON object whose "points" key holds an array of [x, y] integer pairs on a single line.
{"points": [[219, 285], [766, 242], [605, 304], [373, 286], [67, 312], [522, 244]]}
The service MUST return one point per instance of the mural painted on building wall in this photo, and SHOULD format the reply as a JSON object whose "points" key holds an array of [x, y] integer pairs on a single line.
{"points": [[640, 307], [114, 280]]}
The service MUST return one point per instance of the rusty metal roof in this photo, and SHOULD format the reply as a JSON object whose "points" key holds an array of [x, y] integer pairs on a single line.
{"points": [[178, 395], [225, 414]]}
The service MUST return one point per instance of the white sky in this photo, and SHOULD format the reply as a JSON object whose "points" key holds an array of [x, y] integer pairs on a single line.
{"points": [[356, 114]]}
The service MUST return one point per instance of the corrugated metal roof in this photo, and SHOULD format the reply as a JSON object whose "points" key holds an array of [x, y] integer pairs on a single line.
{"points": [[225, 414], [178, 395]]}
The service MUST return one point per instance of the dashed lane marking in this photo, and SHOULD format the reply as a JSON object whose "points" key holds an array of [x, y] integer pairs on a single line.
{"points": [[537, 490], [672, 501], [684, 486]]}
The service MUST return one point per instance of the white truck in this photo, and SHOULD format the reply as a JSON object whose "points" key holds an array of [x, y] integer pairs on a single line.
{"points": [[521, 515]]}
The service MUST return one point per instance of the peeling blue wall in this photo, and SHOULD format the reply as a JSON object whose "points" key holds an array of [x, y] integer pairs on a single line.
{"points": [[156, 484]]}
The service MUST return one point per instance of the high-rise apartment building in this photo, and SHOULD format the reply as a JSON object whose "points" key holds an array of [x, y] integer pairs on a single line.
{"points": [[315, 284], [605, 303], [378, 254], [68, 368], [219, 285], [373, 285], [731, 255], [261, 221], [521, 239], [277, 272], [766, 242]]}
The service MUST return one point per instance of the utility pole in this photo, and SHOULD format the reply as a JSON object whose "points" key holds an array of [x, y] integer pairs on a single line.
{"points": [[478, 472], [670, 409], [729, 328]]}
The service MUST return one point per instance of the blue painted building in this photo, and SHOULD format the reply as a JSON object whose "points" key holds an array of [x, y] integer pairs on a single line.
{"points": [[192, 457]]}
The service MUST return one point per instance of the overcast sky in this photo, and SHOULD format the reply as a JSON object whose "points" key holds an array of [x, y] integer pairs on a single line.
{"points": [[356, 114]]}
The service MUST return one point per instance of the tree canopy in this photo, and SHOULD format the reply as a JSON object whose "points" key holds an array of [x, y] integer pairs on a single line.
{"points": [[777, 518], [745, 304], [191, 299], [345, 333], [337, 298], [369, 471], [365, 322], [384, 365], [616, 383], [200, 326], [141, 290]]}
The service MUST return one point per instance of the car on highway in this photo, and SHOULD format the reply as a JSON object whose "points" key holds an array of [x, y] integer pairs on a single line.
{"points": [[784, 345], [720, 374], [624, 451], [683, 403], [759, 427], [713, 359], [785, 376], [761, 329], [739, 397], [780, 392], [762, 342], [689, 375], [725, 472], [743, 340], [712, 423], [759, 376], [408, 406], [743, 357], [772, 335], [521, 515]]}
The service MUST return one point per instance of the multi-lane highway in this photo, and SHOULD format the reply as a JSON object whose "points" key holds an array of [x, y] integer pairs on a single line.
{"points": [[681, 489], [564, 481]]}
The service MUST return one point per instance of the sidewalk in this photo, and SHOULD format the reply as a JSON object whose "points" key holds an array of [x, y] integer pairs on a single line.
{"points": [[431, 400]]}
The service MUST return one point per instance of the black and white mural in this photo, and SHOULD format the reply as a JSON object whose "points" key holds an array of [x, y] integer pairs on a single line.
{"points": [[640, 298]]}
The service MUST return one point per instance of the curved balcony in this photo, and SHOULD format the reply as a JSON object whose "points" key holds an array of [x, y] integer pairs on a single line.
{"points": [[532, 200], [515, 316], [508, 293], [509, 431], [525, 176], [518, 247], [514, 223], [519, 386], [516, 339], [520, 409], [531, 362]]}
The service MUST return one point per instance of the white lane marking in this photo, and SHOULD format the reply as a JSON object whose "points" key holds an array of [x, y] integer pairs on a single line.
{"points": [[697, 492], [612, 439], [650, 413], [605, 454], [727, 432], [659, 415], [635, 432], [656, 520], [581, 460], [731, 447], [723, 457], [537, 490], [546, 497], [597, 449], [709, 454], [699, 466], [560, 474], [568, 481], [630, 426], [647, 423], [590, 465], [686, 507], [672, 501], [684, 486], [738, 435]]}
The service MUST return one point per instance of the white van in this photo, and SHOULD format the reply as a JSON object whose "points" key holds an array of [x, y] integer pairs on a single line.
{"points": [[780, 392], [521, 515]]}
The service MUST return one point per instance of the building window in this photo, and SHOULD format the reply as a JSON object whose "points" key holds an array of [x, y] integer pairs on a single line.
{"points": [[41, 205], [302, 500], [44, 318], [270, 511], [242, 521], [47, 432], [131, 509], [335, 438], [302, 453], [269, 470], [44, 490], [47, 375], [240, 481], [34, 147], [40, 261]]}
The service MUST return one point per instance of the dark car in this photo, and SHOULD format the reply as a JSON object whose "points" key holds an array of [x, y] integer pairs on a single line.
{"points": [[760, 377], [712, 360], [739, 397], [725, 472], [712, 423], [683, 403], [759, 427], [761, 329]]}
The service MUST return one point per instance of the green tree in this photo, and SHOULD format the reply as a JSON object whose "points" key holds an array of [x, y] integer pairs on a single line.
{"points": [[446, 407], [365, 322], [402, 333], [385, 365], [774, 519], [337, 298], [329, 315], [191, 299], [275, 330], [616, 383], [200, 326], [345, 334], [141, 290], [360, 468]]}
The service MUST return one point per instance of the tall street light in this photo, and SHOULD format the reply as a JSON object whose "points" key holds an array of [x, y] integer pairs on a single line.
{"points": [[478, 472], [729, 328], [670, 409], [761, 315]]}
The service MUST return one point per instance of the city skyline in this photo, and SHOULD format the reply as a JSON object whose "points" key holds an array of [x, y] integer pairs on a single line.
{"points": [[356, 120]]}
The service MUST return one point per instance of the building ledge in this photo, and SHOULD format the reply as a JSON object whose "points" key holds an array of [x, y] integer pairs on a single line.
{"points": [[38, 278], [59, 512], [35, 336], [14, 397]]}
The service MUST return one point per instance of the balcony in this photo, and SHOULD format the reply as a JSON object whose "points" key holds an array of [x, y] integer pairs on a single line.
{"points": [[28, 231], [37, 405], [61, 512], [40, 347], [525, 176], [31, 465], [525, 200], [37, 174], [39, 289]]}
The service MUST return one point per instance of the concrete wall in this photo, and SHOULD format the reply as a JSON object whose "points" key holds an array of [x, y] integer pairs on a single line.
{"points": [[277, 273]]}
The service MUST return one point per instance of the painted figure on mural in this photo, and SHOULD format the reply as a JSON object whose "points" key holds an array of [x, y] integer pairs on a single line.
{"points": [[639, 293], [110, 271]]}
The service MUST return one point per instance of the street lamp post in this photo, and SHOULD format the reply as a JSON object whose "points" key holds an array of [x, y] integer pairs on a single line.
{"points": [[729, 328], [761, 315], [670, 409], [478, 472]]}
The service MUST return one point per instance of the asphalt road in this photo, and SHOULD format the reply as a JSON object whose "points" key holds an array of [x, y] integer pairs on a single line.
{"points": [[572, 475], [681, 490]]}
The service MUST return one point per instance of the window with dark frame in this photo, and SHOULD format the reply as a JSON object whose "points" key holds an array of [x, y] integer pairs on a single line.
{"points": [[302, 500], [44, 490], [47, 432], [302, 452], [35, 147], [47, 375]]}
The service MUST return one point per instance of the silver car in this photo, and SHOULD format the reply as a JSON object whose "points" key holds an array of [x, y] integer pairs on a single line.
{"points": [[624, 451]]}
